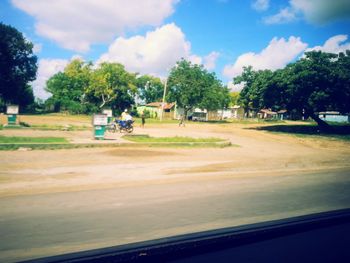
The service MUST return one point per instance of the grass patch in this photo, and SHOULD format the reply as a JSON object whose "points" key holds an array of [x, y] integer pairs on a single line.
{"points": [[29, 140], [147, 141], [338, 132], [46, 127], [176, 139]]}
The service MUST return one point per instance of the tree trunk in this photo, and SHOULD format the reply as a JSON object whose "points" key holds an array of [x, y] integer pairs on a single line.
{"points": [[324, 126]]}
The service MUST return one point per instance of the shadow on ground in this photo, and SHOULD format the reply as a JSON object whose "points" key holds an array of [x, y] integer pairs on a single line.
{"points": [[336, 130]]}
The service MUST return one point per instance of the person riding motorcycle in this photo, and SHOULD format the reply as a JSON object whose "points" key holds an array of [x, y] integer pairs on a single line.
{"points": [[126, 122]]}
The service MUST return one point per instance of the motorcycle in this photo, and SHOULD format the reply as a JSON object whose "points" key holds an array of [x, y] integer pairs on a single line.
{"points": [[125, 126]]}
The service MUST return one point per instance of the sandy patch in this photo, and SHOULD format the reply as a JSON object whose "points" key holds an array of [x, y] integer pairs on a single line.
{"points": [[259, 152]]}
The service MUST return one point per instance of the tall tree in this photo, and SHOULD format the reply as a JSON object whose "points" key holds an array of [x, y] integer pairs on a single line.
{"points": [[112, 85], [68, 88], [191, 86], [18, 66], [317, 82], [314, 84], [150, 89]]}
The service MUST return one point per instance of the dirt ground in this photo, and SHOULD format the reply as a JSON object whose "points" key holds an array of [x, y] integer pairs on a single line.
{"points": [[257, 153]]}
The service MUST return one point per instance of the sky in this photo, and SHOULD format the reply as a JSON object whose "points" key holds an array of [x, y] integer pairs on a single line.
{"points": [[149, 36]]}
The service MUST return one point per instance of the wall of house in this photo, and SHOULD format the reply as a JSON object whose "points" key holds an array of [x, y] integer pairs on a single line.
{"points": [[335, 118]]}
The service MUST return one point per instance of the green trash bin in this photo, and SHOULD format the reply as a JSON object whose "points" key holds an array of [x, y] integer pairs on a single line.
{"points": [[100, 132], [11, 119], [99, 122]]}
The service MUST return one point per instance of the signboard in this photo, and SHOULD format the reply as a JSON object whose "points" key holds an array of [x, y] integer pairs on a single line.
{"points": [[100, 119], [108, 112], [12, 109]]}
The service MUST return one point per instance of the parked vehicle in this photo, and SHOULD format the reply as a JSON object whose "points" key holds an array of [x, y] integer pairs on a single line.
{"points": [[112, 127], [126, 126]]}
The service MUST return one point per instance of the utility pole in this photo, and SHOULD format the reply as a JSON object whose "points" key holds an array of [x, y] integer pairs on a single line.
{"points": [[163, 102]]}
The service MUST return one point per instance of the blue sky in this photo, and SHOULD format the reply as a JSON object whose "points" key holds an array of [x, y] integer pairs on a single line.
{"points": [[149, 36]]}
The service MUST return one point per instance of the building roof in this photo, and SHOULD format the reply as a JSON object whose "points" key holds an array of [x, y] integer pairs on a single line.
{"points": [[267, 111], [329, 113], [167, 106]]}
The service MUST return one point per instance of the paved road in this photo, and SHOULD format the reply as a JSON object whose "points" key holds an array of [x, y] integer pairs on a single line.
{"points": [[41, 225]]}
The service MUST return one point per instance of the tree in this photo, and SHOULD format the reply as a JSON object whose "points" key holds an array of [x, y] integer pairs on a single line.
{"points": [[150, 89], [191, 86], [18, 67], [317, 82], [112, 85], [255, 83], [234, 96], [68, 88]]}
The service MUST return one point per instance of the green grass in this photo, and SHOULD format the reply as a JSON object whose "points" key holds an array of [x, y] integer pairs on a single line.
{"points": [[337, 132], [29, 140], [46, 127], [176, 139]]}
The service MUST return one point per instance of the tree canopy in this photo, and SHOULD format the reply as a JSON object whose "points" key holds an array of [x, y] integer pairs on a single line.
{"points": [[68, 88], [191, 86], [150, 88], [18, 67], [317, 82]]}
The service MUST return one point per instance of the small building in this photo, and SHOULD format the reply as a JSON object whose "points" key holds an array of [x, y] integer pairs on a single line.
{"points": [[334, 116], [282, 115], [237, 112], [267, 114], [155, 109]]}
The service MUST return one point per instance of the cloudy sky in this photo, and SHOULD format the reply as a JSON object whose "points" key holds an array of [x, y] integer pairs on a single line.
{"points": [[149, 36]]}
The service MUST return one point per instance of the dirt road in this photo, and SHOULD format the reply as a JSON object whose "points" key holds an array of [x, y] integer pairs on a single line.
{"points": [[256, 153], [60, 201]]}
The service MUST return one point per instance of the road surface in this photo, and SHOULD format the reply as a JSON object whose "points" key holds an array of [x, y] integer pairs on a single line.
{"points": [[33, 226]]}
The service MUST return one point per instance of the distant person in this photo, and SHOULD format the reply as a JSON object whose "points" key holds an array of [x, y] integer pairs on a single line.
{"points": [[182, 121], [143, 119], [124, 114], [128, 117]]}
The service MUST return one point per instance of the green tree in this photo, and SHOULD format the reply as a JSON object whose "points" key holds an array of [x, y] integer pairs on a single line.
{"points": [[317, 82], [191, 86], [255, 84], [112, 85], [18, 67], [68, 88], [234, 97], [150, 89]]}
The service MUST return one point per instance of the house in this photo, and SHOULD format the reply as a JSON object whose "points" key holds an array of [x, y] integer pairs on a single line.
{"points": [[155, 109], [282, 115], [237, 112], [267, 114], [334, 116]]}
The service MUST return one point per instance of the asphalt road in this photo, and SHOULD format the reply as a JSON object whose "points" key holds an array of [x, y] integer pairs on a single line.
{"points": [[41, 225]]}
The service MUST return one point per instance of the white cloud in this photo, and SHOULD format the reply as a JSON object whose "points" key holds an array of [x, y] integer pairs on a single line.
{"points": [[276, 55], [156, 52], [77, 24], [235, 87], [261, 5], [47, 68], [285, 15], [335, 44], [314, 11], [322, 11], [210, 60], [37, 48]]}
